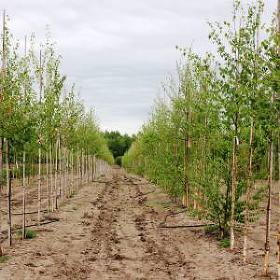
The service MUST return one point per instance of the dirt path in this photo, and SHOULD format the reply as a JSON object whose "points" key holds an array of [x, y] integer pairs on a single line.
{"points": [[110, 230]]}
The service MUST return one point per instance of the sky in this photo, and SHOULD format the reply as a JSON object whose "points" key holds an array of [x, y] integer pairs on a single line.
{"points": [[119, 52]]}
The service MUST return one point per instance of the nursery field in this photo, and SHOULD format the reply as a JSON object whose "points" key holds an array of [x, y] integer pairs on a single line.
{"points": [[117, 228], [50, 200], [195, 194]]}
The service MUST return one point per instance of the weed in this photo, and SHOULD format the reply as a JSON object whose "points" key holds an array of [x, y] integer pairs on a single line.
{"points": [[29, 233], [225, 243], [3, 259]]}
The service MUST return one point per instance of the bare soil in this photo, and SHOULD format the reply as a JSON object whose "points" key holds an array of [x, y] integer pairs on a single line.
{"points": [[111, 230]]}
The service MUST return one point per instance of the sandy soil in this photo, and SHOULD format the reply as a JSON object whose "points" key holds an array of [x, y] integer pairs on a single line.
{"points": [[111, 230]]}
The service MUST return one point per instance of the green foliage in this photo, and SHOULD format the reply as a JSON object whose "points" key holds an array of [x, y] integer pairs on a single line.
{"points": [[224, 243], [29, 233], [118, 160], [38, 110], [214, 103], [4, 259], [118, 144]]}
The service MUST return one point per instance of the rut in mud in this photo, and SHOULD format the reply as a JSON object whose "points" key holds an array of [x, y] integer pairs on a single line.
{"points": [[110, 230]]}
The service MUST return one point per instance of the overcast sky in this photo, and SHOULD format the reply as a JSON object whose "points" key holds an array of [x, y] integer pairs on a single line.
{"points": [[118, 52]]}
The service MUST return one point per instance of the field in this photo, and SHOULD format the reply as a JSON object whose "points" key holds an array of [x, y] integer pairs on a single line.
{"points": [[193, 194], [113, 229]]}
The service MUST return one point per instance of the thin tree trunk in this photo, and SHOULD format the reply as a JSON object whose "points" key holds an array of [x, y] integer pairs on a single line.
{"points": [[87, 166], [1, 96], [1, 161], [63, 170], [1, 174], [82, 167], [92, 168], [279, 156], [278, 236], [72, 172], [55, 174], [248, 192], [48, 180], [78, 171], [23, 195], [185, 201], [9, 188], [233, 192], [268, 209], [14, 167], [51, 178], [39, 184], [66, 186], [60, 169], [39, 151]]}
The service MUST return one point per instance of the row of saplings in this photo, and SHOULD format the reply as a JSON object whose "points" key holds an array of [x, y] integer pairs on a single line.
{"points": [[49, 144], [214, 139]]}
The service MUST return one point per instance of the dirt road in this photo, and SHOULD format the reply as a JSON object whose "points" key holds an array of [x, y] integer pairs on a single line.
{"points": [[110, 230]]}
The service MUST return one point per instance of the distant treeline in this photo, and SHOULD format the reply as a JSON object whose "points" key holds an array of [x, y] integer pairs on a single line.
{"points": [[118, 143]]}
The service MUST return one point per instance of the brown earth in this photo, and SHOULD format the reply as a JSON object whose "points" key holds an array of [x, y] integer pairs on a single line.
{"points": [[111, 230]]}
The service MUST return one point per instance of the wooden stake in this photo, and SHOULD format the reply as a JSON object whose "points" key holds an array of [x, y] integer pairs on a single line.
{"points": [[51, 177], [48, 179], [78, 171], [268, 209], [55, 174], [82, 167], [92, 168], [9, 188], [60, 167], [72, 172], [40, 142], [2, 93], [185, 200], [278, 235], [233, 191], [39, 185], [23, 195], [248, 192], [66, 185]]}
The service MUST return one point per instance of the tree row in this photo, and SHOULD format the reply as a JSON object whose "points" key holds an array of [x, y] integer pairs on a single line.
{"points": [[213, 139]]}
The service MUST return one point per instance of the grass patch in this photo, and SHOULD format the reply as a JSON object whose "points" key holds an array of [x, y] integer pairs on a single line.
{"points": [[195, 213], [29, 233], [3, 259], [214, 232], [224, 243]]}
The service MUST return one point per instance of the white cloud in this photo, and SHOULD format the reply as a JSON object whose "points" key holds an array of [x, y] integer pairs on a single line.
{"points": [[119, 52]]}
